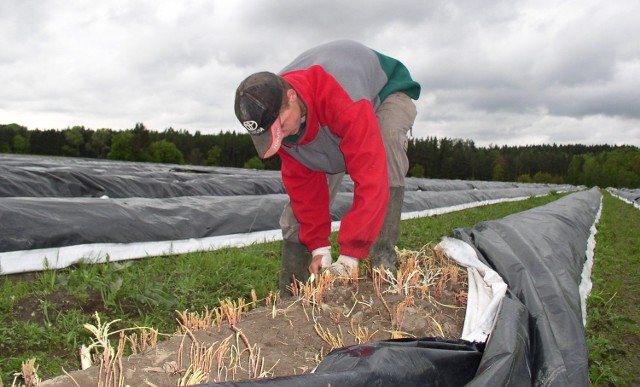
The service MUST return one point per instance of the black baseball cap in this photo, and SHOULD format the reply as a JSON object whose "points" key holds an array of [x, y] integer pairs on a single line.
{"points": [[257, 106]]}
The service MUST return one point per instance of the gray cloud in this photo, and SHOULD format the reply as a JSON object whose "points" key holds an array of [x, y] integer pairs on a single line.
{"points": [[504, 72]]}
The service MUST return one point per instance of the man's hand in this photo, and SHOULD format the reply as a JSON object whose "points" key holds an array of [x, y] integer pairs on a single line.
{"points": [[321, 258], [344, 266]]}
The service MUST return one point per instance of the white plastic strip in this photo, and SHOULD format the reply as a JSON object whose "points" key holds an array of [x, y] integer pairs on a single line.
{"points": [[614, 193], [60, 257], [585, 283], [459, 207], [486, 290]]}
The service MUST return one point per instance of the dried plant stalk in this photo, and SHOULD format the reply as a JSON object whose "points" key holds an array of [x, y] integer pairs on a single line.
{"points": [[401, 310], [192, 376], [232, 311], [221, 354], [245, 340], [195, 321], [333, 341], [271, 299], [254, 298], [462, 297], [29, 374], [148, 339], [378, 277], [361, 334], [110, 361]]}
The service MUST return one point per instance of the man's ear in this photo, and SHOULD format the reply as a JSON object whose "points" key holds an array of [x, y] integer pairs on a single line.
{"points": [[292, 95]]}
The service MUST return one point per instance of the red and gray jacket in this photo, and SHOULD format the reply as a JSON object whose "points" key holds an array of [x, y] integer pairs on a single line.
{"points": [[342, 83]]}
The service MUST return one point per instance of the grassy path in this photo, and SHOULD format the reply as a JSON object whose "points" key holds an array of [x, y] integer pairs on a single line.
{"points": [[613, 325]]}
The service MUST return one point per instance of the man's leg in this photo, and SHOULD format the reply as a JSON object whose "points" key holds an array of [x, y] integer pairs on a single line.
{"points": [[383, 251], [396, 116], [296, 258], [295, 264]]}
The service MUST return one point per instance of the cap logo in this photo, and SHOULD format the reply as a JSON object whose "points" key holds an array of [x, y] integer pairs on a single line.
{"points": [[252, 127]]}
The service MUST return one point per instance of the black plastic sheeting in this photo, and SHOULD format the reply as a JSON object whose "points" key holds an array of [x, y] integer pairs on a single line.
{"points": [[44, 177], [631, 196], [402, 362], [36, 223], [58, 202], [541, 254], [538, 336]]}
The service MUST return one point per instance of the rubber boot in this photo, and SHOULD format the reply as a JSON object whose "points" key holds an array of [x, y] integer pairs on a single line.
{"points": [[295, 263], [383, 251]]}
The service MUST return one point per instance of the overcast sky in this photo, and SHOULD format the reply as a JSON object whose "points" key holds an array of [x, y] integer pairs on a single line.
{"points": [[502, 72]]}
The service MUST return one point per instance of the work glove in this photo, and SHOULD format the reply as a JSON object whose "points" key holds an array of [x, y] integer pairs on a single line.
{"points": [[344, 266], [321, 259]]}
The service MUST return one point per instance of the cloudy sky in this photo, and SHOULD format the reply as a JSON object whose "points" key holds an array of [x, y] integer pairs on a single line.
{"points": [[503, 72]]}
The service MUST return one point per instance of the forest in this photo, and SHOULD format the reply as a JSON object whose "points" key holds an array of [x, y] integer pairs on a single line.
{"points": [[436, 158]]}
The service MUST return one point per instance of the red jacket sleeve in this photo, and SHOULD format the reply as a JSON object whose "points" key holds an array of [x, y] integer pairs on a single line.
{"points": [[309, 194], [366, 162]]}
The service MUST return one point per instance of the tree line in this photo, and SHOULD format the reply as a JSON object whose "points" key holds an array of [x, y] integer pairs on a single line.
{"points": [[438, 158]]}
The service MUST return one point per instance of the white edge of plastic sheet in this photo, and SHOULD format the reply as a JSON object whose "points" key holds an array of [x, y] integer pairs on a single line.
{"points": [[585, 282], [485, 293], [61, 257], [612, 192], [459, 207]]}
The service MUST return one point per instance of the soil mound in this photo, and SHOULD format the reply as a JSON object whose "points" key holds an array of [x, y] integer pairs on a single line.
{"points": [[274, 337]]}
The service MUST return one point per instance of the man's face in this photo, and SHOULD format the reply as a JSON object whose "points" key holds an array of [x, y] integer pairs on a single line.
{"points": [[290, 115], [287, 123]]}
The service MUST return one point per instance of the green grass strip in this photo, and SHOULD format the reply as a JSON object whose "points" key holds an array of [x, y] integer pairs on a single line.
{"points": [[613, 323]]}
